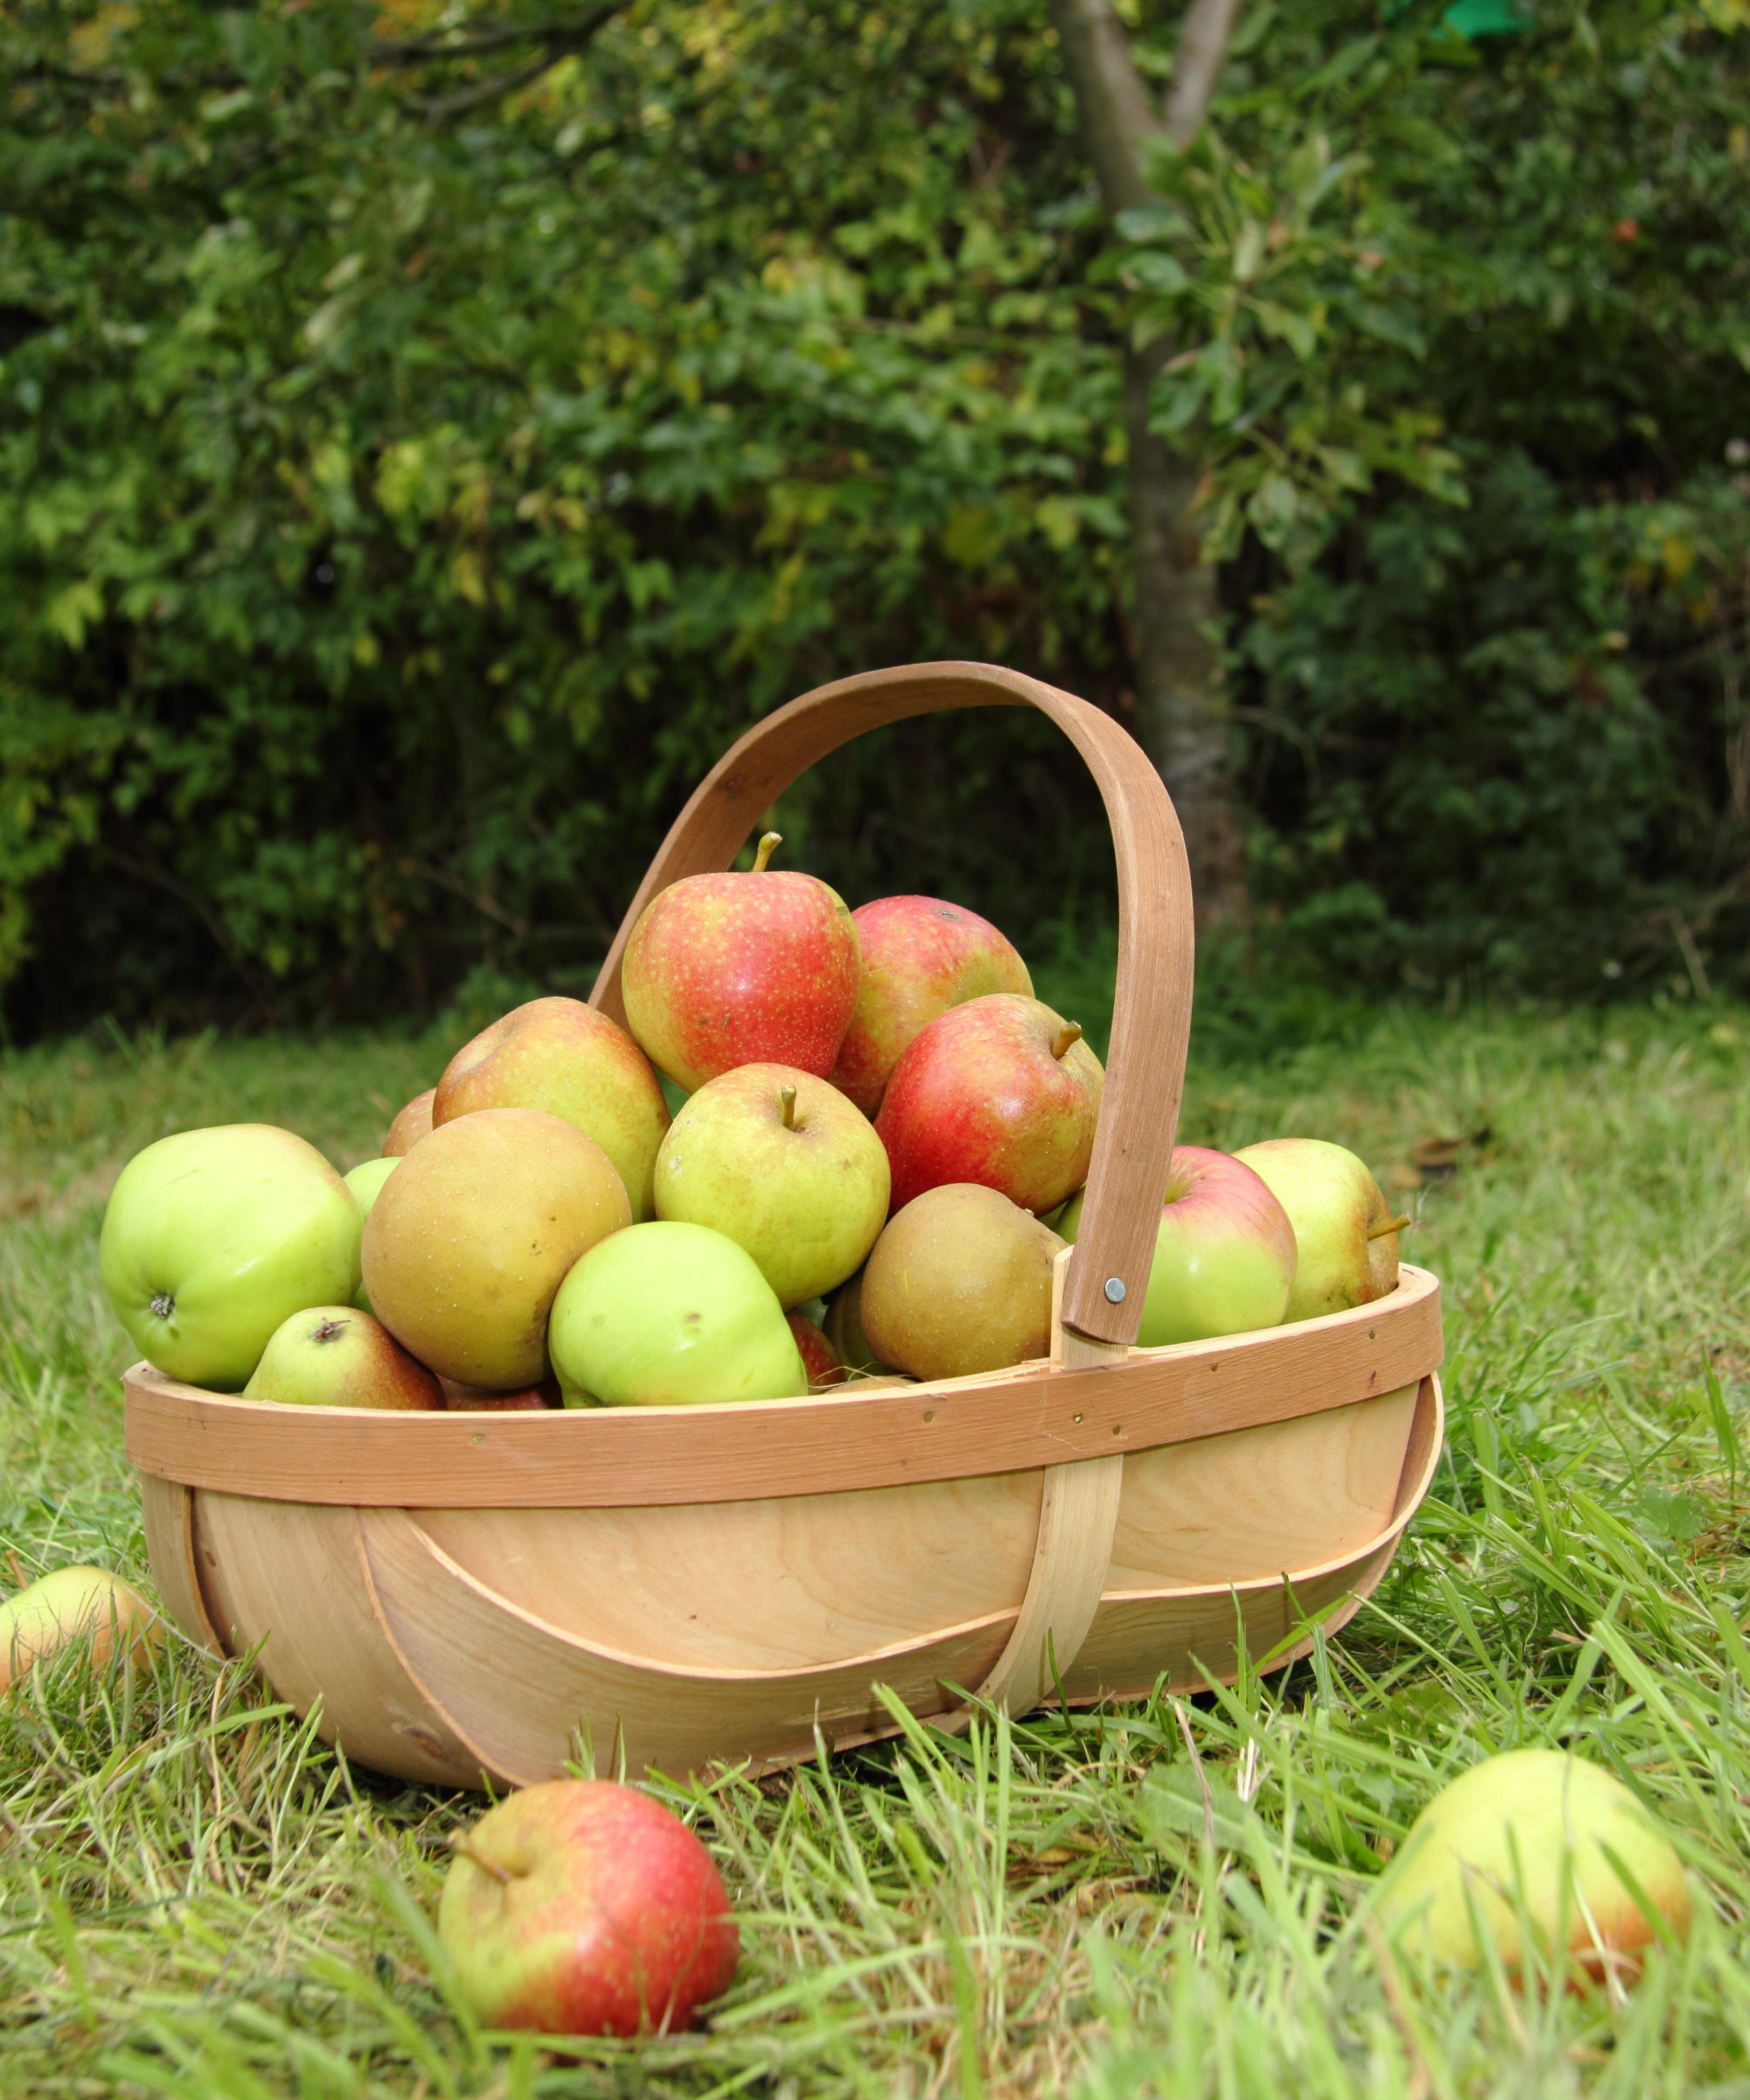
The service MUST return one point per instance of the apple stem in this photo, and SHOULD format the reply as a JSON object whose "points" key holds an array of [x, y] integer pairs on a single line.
{"points": [[768, 844], [787, 1100], [462, 1842], [1397, 1225], [1069, 1033]]}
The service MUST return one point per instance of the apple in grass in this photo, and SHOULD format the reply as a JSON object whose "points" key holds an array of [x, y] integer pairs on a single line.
{"points": [[336, 1356], [1001, 1091], [1541, 1837], [1224, 1252], [723, 970], [582, 1907], [780, 1162], [475, 1231], [411, 1123], [212, 1237], [1345, 1231], [70, 1604], [670, 1314], [562, 1057], [921, 955]]}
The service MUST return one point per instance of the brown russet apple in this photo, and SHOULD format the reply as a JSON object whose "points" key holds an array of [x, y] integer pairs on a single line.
{"points": [[336, 1355], [959, 1282], [921, 955], [724, 970], [474, 1233], [410, 1125], [822, 1366], [561, 1056], [581, 1906], [1001, 1091]]}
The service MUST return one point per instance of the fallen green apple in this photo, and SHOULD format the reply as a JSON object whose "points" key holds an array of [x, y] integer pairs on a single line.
{"points": [[670, 1315]]}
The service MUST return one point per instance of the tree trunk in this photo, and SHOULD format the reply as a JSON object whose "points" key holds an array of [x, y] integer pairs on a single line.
{"points": [[1181, 708]]}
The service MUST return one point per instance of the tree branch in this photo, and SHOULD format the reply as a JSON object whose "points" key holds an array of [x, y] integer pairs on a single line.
{"points": [[449, 44], [1197, 63]]}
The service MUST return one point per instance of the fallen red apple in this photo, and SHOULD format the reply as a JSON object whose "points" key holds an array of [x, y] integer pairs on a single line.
{"points": [[580, 1907], [410, 1125], [724, 970], [921, 955], [1001, 1091], [822, 1366], [1541, 1837]]}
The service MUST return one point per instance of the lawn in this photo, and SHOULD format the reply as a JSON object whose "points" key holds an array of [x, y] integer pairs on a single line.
{"points": [[196, 1895]]}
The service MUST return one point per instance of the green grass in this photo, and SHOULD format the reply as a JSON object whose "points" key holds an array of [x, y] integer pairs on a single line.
{"points": [[197, 1896]]}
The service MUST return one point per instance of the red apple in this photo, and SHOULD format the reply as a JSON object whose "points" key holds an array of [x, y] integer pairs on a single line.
{"points": [[335, 1356], [561, 1056], [580, 1907], [724, 970], [1001, 1091], [919, 957], [410, 1125], [462, 1399], [822, 1366]]}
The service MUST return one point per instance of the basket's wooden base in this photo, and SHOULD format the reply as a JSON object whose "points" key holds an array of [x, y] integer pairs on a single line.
{"points": [[447, 1645]]}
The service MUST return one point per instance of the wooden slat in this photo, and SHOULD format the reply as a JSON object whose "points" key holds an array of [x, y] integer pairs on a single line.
{"points": [[1151, 1013], [167, 1508], [627, 1458]]}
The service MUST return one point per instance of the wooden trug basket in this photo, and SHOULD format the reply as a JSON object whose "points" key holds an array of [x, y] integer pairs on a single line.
{"points": [[470, 1595]]}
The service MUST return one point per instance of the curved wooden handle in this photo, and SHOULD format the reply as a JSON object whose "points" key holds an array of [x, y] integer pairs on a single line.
{"points": [[1133, 1147]]}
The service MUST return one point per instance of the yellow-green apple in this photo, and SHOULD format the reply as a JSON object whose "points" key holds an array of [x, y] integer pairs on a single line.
{"points": [[781, 1162], [410, 1125], [921, 955], [1001, 1091], [70, 1604], [365, 1181], [1542, 1836], [581, 1907], [820, 1366], [1224, 1252], [734, 969], [335, 1356], [212, 1237], [959, 1282], [671, 1315], [475, 1230], [560, 1055], [1344, 1233]]}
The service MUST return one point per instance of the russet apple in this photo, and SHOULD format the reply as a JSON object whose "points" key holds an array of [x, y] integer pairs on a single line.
{"points": [[723, 970], [410, 1125], [921, 955], [475, 1230], [780, 1162], [1001, 1091], [1536, 1834], [818, 1363], [1224, 1252], [335, 1356], [1345, 1234], [70, 1604], [959, 1282], [561, 1056], [671, 1315], [212, 1237], [581, 1907]]}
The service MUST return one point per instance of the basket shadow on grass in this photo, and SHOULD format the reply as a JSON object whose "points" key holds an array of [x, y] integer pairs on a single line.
{"points": [[196, 1896]]}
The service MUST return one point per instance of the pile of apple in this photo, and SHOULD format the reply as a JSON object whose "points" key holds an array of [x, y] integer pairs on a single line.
{"points": [[880, 1154]]}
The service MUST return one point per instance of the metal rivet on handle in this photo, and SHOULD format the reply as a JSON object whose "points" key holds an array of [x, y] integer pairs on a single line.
{"points": [[1115, 1289]]}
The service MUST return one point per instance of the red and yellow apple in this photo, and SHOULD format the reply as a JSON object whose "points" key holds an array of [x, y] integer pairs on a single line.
{"points": [[336, 1355], [1224, 1252], [1001, 1091], [580, 1907], [70, 1604], [411, 1123], [562, 1057], [823, 1368], [921, 955], [723, 970], [1345, 1234]]}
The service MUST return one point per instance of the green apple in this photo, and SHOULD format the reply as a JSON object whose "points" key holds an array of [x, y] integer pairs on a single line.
{"points": [[780, 1162], [1541, 1837], [1224, 1252], [335, 1356], [212, 1237], [1346, 1237], [670, 1315], [365, 1181]]}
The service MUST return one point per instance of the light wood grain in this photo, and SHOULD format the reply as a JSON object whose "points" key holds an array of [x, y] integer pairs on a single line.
{"points": [[1151, 1015], [167, 1508], [634, 1457]]}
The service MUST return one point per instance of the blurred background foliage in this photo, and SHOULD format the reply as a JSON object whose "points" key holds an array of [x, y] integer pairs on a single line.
{"points": [[429, 436]]}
